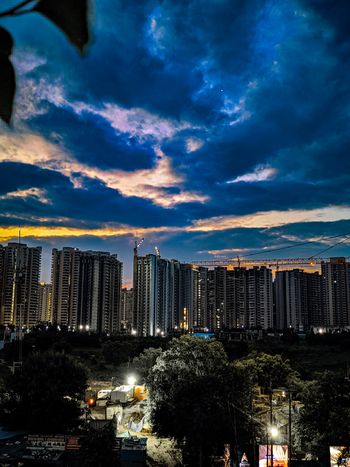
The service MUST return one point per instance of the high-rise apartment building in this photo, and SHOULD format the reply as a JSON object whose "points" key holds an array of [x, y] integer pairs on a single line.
{"points": [[19, 282], [240, 297], [203, 321], [155, 283], [86, 289], [220, 291], [336, 291], [171, 295], [127, 309], [298, 299], [236, 311], [260, 299], [45, 303], [168, 295], [175, 313], [315, 308], [65, 273]]}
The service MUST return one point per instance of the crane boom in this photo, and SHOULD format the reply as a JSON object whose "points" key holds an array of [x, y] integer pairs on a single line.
{"points": [[275, 262]]}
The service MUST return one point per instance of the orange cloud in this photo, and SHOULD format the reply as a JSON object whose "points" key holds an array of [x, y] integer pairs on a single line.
{"points": [[149, 184], [261, 220]]}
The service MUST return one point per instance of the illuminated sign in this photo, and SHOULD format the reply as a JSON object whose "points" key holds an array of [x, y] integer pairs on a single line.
{"points": [[279, 458], [339, 456]]}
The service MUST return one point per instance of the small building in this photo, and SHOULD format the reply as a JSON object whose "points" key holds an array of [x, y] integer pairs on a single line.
{"points": [[122, 394]]}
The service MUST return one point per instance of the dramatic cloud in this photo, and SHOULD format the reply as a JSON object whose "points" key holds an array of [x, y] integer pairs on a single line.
{"points": [[211, 128]]}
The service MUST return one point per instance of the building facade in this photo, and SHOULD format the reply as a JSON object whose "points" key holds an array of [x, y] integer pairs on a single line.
{"points": [[19, 284], [171, 295], [336, 292], [298, 299], [45, 303], [86, 289], [260, 298], [127, 309]]}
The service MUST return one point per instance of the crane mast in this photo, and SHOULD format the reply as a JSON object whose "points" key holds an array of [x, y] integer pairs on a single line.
{"points": [[138, 243]]}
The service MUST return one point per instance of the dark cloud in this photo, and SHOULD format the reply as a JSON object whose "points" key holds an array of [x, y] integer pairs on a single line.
{"points": [[253, 83], [16, 176], [91, 140]]}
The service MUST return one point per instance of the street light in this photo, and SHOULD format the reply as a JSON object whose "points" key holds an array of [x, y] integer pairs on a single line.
{"points": [[274, 432], [131, 380]]}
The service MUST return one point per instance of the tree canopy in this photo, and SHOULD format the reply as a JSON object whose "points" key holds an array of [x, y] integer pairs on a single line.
{"points": [[268, 371], [144, 362], [44, 396], [324, 419], [194, 395]]}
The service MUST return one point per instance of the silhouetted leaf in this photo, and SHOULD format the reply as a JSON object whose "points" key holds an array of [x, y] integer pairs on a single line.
{"points": [[71, 16], [7, 88], [6, 42]]}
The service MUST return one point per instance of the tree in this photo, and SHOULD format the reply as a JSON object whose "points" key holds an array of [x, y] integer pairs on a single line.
{"points": [[144, 362], [324, 419], [97, 447], [268, 371], [117, 352], [70, 16], [198, 398], [44, 397]]}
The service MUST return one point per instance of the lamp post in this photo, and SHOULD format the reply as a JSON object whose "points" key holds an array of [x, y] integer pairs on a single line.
{"points": [[271, 422], [285, 391], [274, 433], [289, 428]]}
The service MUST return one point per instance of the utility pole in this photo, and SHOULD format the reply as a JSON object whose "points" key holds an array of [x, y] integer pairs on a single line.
{"points": [[289, 427], [267, 447], [271, 422], [19, 283]]}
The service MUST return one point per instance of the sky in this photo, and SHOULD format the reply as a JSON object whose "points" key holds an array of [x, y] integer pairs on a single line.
{"points": [[212, 128]]}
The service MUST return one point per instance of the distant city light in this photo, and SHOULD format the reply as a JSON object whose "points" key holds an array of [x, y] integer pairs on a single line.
{"points": [[133, 332]]}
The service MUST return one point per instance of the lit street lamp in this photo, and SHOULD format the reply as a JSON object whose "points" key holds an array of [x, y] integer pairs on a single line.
{"points": [[131, 380], [274, 432]]}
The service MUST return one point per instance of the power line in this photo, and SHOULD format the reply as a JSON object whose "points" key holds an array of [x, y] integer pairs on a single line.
{"points": [[329, 248], [299, 244]]}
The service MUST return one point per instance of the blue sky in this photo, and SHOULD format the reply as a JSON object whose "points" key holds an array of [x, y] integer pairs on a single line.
{"points": [[211, 128]]}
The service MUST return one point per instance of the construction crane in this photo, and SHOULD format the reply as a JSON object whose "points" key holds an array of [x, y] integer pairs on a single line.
{"points": [[311, 261], [275, 263], [138, 243], [157, 251]]}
